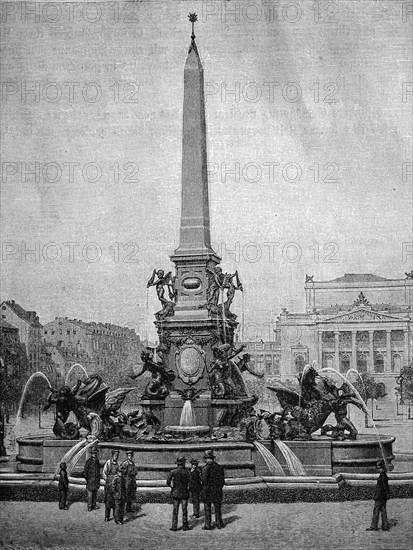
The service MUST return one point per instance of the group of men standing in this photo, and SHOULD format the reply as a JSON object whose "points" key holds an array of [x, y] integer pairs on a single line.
{"points": [[197, 484], [120, 483]]}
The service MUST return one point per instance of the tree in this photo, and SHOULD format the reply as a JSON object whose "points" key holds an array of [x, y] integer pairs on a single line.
{"points": [[369, 389], [405, 385], [14, 370]]}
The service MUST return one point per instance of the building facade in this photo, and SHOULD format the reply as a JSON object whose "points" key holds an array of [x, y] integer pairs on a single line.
{"points": [[96, 346], [358, 321], [30, 331]]}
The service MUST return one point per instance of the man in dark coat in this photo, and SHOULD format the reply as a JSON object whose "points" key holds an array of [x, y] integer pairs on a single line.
{"points": [[118, 488], [178, 480], [109, 472], [381, 495], [63, 486], [129, 473], [195, 486], [91, 473], [213, 480]]}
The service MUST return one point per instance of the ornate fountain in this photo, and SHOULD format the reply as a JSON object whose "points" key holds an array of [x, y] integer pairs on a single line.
{"points": [[196, 398]]}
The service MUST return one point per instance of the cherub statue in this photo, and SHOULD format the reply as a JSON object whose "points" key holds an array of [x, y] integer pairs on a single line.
{"points": [[160, 384], [218, 282], [163, 281]]}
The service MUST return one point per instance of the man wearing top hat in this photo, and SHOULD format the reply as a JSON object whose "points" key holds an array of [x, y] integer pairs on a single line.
{"points": [[129, 473], [178, 480], [381, 495], [213, 480], [91, 473]]}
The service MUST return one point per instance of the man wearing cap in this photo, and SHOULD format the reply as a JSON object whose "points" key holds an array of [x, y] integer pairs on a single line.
{"points": [[118, 488], [195, 486], [178, 480], [129, 473], [91, 473], [213, 480], [381, 495], [109, 472]]}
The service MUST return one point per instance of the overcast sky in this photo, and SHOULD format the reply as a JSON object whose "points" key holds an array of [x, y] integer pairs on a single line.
{"points": [[309, 143]]}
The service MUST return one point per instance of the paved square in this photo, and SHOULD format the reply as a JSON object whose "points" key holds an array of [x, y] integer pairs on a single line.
{"points": [[298, 526]]}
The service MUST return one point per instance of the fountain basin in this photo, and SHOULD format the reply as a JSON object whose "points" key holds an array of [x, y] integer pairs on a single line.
{"points": [[320, 456], [187, 432], [323, 456], [153, 459]]}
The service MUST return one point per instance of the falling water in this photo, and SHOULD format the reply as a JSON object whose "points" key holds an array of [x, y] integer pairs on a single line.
{"points": [[272, 463], [70, 454], [80, 453], [26, 386], [293, 463], [187, 414], [224, 321], [243, 316], [359, 375], [72, 367], [73, 456], [306, 367], [147, 315], [331, 369]]}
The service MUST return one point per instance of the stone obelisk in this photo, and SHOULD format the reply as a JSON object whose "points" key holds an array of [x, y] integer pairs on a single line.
{"points": [[187, 336], [194, 253]]}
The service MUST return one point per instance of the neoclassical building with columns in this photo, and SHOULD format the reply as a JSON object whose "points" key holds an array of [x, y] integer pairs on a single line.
{"points": [[359, 321]]}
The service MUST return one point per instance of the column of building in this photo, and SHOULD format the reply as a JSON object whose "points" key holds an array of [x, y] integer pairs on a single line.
{"points": [[388, 351], [370, 363], [320, 348], [354, 349], [337, 349], [406, 346]]}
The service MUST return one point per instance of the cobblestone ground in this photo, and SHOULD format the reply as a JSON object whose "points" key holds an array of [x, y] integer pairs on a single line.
{"points": [[298, 526]]}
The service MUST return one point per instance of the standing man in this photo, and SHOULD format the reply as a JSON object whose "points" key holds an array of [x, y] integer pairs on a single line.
{"points": [[129, 472], [91, 473], [178, 480], [213, 480], [63, 486], [118, 487], [381, 495], [109, 472], [195, 486]]}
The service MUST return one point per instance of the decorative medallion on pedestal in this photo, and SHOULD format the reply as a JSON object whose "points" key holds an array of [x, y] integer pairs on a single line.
{"points": [[190, 362]]}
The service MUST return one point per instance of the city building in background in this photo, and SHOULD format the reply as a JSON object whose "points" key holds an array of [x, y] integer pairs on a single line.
{"points": [[358, 321], [99, 347], [30, 330]]}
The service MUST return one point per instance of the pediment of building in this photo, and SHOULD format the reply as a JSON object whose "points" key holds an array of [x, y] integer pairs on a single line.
{"points": [[363, 314]]}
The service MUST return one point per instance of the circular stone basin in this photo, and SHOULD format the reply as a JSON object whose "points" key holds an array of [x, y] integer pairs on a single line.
{"points": [[188, 431]]}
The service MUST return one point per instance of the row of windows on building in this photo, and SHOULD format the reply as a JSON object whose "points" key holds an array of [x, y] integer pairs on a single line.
{"points": [[362, 336], [265, 363], [108, 361], [361, 364], [68, 331]]}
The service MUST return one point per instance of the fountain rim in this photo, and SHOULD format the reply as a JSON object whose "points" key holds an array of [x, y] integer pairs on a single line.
{"points": [[141, 445], [35, 439]]}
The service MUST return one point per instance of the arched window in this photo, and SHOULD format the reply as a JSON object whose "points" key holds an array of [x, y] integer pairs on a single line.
{"points": [[378, 363], [396, 364], [328, 360], [345, 362], [299, 363], [362, 362]]}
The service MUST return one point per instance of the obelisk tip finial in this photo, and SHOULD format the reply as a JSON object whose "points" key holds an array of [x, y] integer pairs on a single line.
{"points": [[193, 17]]}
